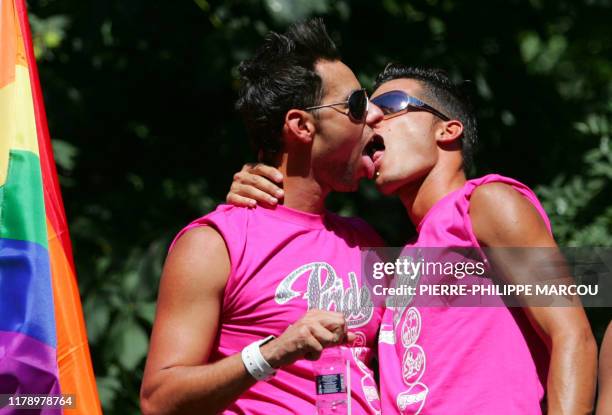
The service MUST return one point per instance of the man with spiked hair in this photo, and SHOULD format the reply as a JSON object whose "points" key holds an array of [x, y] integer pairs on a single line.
{"points": [[236, 278]]}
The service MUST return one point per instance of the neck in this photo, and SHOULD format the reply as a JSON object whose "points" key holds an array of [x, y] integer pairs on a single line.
{"points": [[419, 197], [302, 191]]}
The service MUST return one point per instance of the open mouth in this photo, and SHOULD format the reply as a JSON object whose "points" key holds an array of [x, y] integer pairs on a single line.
{"points": [[376, 144], [372, 153]]}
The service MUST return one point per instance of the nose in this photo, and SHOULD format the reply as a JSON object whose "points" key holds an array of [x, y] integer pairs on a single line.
{"points": [[375, 115]]}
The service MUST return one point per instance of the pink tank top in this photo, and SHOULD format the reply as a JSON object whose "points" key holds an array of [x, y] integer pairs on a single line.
{"points": [[283, 263], [452, 360]]}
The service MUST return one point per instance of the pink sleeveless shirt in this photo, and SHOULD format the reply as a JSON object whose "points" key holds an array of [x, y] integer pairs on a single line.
{"points": [[283, 263], [460, 360]]}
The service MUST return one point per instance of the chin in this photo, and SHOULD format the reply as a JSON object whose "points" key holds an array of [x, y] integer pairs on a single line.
{"points": [[388, 186]]}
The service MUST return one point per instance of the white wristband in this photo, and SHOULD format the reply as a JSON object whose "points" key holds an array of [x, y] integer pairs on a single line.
{"points": [[255, 363]]}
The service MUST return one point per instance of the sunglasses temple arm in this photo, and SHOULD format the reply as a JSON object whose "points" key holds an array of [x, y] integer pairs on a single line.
{"points": [[436, 112], [316, 107]]}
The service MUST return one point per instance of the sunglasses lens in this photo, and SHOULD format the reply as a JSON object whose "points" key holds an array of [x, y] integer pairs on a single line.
{"points": [[357, 104], [391, 102]]}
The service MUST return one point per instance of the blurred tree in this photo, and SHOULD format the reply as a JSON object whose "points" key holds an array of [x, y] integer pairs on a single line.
{"points": [[140, 101]]}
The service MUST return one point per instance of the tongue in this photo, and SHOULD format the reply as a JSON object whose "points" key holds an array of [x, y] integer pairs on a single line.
{"points": [[369, 165], [377, 155]]}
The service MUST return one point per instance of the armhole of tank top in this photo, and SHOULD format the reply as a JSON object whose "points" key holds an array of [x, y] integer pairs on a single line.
{"points": [[206, 223], [522, 189], [467, 219], [229, 283]]}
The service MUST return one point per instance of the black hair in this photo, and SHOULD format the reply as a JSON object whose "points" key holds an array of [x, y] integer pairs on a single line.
{"points": [[281, 76], [443, 94]]}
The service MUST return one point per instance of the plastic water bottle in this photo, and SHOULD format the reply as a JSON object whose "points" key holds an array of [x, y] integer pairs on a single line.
{"points": [[330, 382]]}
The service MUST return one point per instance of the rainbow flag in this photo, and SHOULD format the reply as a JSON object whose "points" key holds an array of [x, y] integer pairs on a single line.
{"points": [[43, 341]]}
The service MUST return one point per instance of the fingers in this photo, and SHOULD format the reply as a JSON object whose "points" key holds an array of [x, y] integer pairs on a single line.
{"points": [[268, 172], [333, 322], [252, 185], [263, 184], [322, 338], [241, 201], [307, 337], [326, 337], [252, 193], [313, 349]]}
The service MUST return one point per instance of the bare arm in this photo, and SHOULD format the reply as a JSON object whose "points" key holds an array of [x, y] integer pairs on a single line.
{"points": [[501, 217], [178, 378], [604, 404]]}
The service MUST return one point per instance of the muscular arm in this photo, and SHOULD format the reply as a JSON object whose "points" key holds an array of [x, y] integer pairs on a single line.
{"points": [[501, 217], [176, 378], [604, 404]]}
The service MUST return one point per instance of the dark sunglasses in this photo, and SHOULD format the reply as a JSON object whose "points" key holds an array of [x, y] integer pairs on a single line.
{"points": [[357, 104], [396, 103]]}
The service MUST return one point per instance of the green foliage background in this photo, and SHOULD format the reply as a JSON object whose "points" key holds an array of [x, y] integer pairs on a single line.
{"points": [[140, 95]]}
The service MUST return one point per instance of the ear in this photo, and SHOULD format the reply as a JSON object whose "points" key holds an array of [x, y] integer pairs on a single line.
{"points": [[449, 131], [299, 125]]}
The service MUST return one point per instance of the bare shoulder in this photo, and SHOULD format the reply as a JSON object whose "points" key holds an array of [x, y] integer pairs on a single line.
{"points": [[200, 239], [502, 216], [199, 260], [496, 192]]}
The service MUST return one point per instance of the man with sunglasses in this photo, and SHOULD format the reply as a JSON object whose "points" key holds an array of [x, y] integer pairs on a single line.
{"points": [[249, 296], [447, 360], [475, 360]]}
